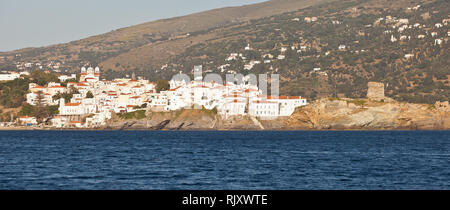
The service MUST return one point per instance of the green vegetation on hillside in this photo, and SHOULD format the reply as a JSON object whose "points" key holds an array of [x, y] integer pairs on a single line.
{"points": [[140, 114], [12, 93], [162, 85]]}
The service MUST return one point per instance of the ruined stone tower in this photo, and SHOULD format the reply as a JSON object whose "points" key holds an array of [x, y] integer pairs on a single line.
{"points": [[376, 91]]}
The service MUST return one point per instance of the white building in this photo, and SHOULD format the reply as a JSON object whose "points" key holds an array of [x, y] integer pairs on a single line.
{"points": [[287, 104], [28, 121], [59, 122], [46, 94], [71, 109], [393, 39], [248, 47], [90, 75], [409, 56], [233, 108], [9, 77], [129, 95], [437, 41], [262, 108], [64, 78]]}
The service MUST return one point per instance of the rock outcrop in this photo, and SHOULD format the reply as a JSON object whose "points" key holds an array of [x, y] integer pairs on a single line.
{"points": [[185, 120], [323, 114], [366, 114]]}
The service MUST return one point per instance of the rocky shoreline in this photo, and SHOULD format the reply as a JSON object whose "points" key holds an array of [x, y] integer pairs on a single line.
{"points": [[330, 114], [323, 114], [342, 114]]}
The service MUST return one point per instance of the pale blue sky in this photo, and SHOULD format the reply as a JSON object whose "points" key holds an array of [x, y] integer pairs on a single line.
{"points": [[35, 23]]}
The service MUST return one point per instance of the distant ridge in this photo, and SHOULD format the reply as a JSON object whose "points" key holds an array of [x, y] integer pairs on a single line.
{"points": [[194, 22], [320, 48]]}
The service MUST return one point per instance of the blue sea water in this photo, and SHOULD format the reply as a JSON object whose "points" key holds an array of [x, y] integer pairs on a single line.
{"points": [[224, 160]]}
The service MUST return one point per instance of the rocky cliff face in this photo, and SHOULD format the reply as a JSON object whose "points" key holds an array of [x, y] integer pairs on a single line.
{"points": [[365, 114], [322, 114], [184, 120]]}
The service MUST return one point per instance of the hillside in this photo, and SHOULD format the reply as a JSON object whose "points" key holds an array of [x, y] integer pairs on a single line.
{"points": [[98, 48], [327, 49]]}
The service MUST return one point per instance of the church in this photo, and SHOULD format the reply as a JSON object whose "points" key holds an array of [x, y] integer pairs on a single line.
{"points": [[90, 74]]}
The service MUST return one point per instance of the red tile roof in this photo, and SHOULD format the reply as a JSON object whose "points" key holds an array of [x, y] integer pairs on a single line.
{"points": [[250, 90], [25, 117], [266, 102], [73, 104], [238, 101], [283, 97], [81, 84], [175, 89], [200, 86]]}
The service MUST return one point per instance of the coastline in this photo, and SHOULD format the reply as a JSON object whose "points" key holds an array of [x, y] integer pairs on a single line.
{"points": [[219, 130], [321, 115]]}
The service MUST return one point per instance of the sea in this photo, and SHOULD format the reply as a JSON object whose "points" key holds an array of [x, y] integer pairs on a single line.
{"points": [[224, 160]]}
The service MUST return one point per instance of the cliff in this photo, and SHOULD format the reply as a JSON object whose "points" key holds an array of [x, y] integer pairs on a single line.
{"points": [[366, 114], [323, 114], [184, 120]]}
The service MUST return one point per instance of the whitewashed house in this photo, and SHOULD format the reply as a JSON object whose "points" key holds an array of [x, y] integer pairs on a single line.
{"points": [[437, 41], [27, 120], [409, 56], [233, 108], [287, 104], [9, 77]]}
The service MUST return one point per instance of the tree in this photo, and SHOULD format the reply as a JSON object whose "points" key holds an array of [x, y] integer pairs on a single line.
{"points": [[40, 111], [42, 78], [66, 96], [27, 110], [53, 110], [162, 85], [89, 94], [12, 93]]}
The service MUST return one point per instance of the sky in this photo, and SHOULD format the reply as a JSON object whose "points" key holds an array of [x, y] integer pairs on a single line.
{"points": [[36, 23]]}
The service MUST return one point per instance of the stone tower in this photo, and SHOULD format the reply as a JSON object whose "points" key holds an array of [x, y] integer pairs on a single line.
{"points": [[376, 91]]}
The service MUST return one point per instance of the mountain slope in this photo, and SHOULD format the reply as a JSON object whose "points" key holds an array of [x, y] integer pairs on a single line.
{"points": [[414, 69], [349, 43], [98, 48]]}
